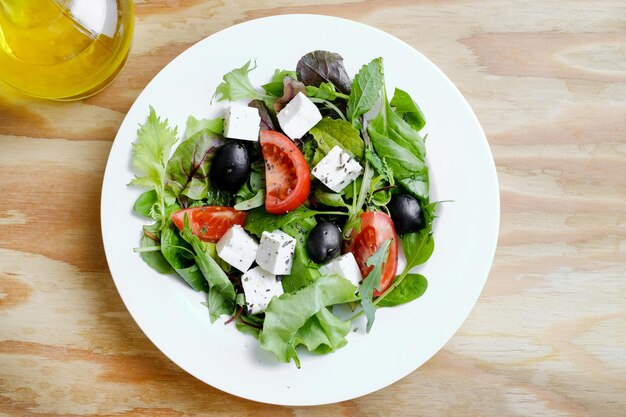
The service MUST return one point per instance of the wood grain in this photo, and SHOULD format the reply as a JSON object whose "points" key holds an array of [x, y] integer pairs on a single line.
{"points": [[548, 335]]}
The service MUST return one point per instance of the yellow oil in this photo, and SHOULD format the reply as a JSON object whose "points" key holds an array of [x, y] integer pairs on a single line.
{"points": [[53, 49]]}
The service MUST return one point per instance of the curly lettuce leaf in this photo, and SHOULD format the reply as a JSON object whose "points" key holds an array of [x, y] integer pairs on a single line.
{"points": [[195, 126], [236, 85], [323, 333], [287, 314], [150, 154]]}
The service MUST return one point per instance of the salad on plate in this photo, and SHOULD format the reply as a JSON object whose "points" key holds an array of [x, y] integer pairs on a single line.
{"points": [[297, 202]]}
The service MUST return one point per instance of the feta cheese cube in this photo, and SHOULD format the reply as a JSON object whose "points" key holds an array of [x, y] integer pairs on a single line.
{"points": [[337, 169], [275, 252], [298, 116], [242, 122], [345, 266], [237, 248], [260, 287]]}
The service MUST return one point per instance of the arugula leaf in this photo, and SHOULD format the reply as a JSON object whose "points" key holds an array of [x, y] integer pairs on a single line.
{"points": [[325, 91], [408, 109], [287, 314], [372, 281], [323, 333], [179, 254], [303, 270], [275, 86], [412, 287], [221, 294], [189, 167], [144, 206], [317, 67], [150, 153], [236, 85], [365, 91], [403, 149], [210, 126], [329, 133]]}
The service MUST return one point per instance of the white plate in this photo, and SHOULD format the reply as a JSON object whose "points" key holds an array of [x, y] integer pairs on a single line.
{"points": [[403, 338]]}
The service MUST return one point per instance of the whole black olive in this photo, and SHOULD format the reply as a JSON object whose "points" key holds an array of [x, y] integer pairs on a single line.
{"points": [[406, 213], [231, 167], [324, 242]]}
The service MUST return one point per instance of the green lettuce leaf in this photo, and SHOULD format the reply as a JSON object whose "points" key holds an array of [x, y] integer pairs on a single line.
{"points": [[144, 205], [286, 315], [275, 86], [257, 200], [365, 91], [195, 126], [179, 254], [323, 333], [329, 133], [154, 258], [408, 109], [236, 85], [259, 220], [325, 91], [150, 154], [372, 281]]}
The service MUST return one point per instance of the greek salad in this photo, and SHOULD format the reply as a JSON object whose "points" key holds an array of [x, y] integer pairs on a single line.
{"points": [[297, 200]]}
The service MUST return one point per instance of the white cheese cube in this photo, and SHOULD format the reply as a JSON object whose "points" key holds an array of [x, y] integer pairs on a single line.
{"points": [[298, 116], [260, 287], [275, 252], [242, 122], [337, 169], [237, 248], [345, 266]]}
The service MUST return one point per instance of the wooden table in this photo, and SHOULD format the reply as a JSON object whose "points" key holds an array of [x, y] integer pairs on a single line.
{"points": [[547, 79]]}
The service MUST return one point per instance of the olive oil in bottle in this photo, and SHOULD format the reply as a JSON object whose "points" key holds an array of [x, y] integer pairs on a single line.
{"points": [[63, 49]]}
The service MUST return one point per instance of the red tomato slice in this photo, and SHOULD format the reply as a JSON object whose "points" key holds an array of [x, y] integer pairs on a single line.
{"points": [[376, 228], [209, 223], [287, 177]]}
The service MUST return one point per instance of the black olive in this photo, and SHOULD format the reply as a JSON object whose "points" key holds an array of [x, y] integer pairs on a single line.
{"points": [[406, 213], [231, 167], [324, 242]]}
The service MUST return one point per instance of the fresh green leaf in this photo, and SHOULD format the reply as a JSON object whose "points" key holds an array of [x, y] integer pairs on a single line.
{"points": [[418, 247], [189, 167], [323, 333], [291, 88], [287, 314], [217, 197], [144, 206], [253, 202], [179, 254], [318, 67], [275, 86], [259, 220], [365, 91], [412, 287], [221, 294], [325, 91], [372, 281], [197, 126], [329, 133], [154, 258], [303, 270], [329, 199], [150, 154], [236, 85], [408, 109]]}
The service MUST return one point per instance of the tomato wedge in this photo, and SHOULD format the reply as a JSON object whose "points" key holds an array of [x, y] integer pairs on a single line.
{"points": [[287, 177], [209, 223], [376, 228]]}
